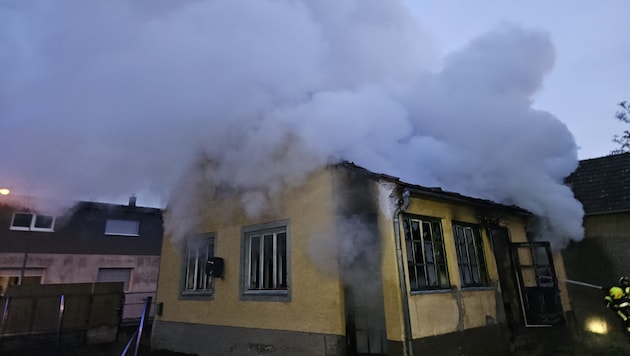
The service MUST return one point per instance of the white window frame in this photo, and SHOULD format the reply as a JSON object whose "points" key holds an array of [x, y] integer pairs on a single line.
{"points": [[202, 247], [32, 226], [115, 233], [278, 291]]}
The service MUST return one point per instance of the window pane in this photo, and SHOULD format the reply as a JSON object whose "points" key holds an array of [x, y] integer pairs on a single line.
{"points": [[22, 220], [282, 260], [254, 262], [268, 262], [415, 230], [190, 268], [44, 222], [122, 227], [202, 257]]}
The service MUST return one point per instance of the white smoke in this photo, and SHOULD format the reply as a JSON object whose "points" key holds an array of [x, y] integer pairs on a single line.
{"points": [[107, 98]]}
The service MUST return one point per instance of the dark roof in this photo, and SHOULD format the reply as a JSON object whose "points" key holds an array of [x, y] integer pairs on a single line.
{"points": [[602, 184], [80, 229], [436, 192]]}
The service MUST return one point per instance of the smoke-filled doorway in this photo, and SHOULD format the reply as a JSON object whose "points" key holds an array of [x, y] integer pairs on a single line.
{"points": [[507, 279], [365, 323]]}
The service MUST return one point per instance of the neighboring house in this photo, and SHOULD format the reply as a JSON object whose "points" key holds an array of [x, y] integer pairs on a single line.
{"points": [[603, 186], [353, 262], [90, 242]]}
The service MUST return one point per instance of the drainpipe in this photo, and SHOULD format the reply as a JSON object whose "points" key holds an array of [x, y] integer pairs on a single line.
{"points": [[403, 203]]}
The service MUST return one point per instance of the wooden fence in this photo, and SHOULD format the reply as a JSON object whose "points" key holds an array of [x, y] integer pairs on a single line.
{"points": [[88, 311]]}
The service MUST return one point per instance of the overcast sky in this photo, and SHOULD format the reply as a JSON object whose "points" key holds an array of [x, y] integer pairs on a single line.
{"points": [[592, 69]]}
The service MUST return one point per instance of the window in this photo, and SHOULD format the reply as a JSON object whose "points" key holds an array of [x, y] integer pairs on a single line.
{"points": [[198, 251], [470, 256], [115, 275], [32, 222], [426, 258], [122, 227], [265, 268]]}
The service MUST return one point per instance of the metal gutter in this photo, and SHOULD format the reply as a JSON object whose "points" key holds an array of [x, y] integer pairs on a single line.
{"points": [[403, 203]]}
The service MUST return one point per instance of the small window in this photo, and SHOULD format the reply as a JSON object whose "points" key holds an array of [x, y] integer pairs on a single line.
{"points": [[265, 268], [426, 258], [198, 251], [115, 275], [32, 222], [470, 256], [122, 227]]}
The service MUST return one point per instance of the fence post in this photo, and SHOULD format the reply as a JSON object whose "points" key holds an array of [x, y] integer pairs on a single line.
{"points": [[62, 307], [3, 321], [145, 314]]}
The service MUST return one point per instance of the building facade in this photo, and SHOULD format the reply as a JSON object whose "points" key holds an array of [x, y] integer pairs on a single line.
{"points": [[85, 243], [352, 262]]}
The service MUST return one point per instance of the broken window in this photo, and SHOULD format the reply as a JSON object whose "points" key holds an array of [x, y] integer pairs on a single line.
{"points": [[426, 258], [470, 256], [32, 222], [198, 250], [265, 261], [538, 283]]}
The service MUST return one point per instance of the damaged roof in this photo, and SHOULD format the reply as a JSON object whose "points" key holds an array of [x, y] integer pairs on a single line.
{"points": [[435, 192], [602, 184]]}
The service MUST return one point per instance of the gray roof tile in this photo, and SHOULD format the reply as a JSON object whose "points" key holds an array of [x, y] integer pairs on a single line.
{"points": [[602, 184]]}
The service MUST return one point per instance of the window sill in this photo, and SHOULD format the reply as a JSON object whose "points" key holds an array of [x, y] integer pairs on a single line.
{"points": [[431, 291], [266, 295], [196, 295], [476, 288], [34, 229]]}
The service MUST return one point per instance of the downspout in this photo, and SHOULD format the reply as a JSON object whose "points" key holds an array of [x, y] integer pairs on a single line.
{"points": [[403, 203]]}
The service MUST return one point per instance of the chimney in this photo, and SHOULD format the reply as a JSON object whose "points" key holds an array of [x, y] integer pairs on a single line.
{"points": [[132, 201]]}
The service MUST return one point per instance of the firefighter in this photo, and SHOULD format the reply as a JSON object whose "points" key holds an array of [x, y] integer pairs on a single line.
{"points": [[618, 300]]}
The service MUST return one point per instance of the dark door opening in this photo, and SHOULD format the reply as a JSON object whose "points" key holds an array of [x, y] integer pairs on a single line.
{"points": [[365, 324], [538, 283], [507, 278]]}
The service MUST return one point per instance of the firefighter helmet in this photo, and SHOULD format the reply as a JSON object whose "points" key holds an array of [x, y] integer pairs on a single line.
{"points": [[615, 292]]}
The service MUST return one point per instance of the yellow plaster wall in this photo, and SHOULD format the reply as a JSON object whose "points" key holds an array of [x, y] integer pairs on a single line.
{"points": [[316, 295], [483, 305], [434, 313]]}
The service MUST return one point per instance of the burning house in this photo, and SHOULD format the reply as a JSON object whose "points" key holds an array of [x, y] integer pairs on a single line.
{"points": [[354, 262]]}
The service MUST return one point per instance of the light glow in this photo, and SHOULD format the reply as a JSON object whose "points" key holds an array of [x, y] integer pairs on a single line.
{"points": [[4, 191], [597, 326]]}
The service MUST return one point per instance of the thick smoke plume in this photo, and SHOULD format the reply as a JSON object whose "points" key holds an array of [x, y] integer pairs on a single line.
{"points": [[102, 99]]}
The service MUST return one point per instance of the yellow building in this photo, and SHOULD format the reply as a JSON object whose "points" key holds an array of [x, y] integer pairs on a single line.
{"points": [[352, 262]]}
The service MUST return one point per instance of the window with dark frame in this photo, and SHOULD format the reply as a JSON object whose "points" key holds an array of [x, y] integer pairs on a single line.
{"points": [[266, 253], [426, 257], [470, 255], [195, 279], [32, 222]]}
